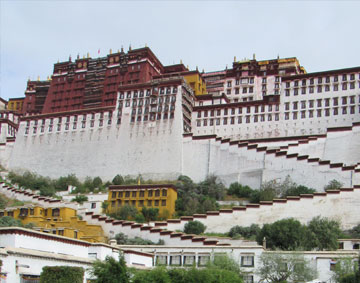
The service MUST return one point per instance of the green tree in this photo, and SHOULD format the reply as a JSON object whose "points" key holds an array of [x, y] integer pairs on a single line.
{"points": [[322, 234], [2, 202], [156, 275], [62, 183], [345, 268], [240, 190], [8, 221], [125, 212], [150, 213], [333, 185], [194, 227], [278, 267], [97, 182], [110, 270], [118, 180], [88, 184], [285, 234], [80, 199], [62, 274]]}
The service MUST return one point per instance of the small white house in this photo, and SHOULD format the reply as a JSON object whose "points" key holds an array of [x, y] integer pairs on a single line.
{"points": [[25, 252]]}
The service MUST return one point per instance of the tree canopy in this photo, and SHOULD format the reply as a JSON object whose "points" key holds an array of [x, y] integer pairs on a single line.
{"points": [[110, 271], [276, 267]]}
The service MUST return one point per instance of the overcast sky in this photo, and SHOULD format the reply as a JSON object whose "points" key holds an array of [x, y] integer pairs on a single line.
{"points": [[34, 35]]}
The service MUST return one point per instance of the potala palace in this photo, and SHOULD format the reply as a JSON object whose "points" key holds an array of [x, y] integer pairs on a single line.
{"points": [[128, 114]]}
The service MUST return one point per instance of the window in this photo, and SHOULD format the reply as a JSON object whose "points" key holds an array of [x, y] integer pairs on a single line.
{"points": [[157, 193], [150, 193], [311, 103], [336, 87], [303, 104], [203, 260], [294, 115], [303, 90], [149, 203], [287, 116], [287, 106], [319, 89], [133, 194], [295, 105], [229, 84], [327, 88], [352, 99], [319, 103], [296, 91], [344, 100], [327, 102], [113, 195], [287, 92], [247, 260], [127, 194], [344, 77], [344, 86], [335, 111], [319, 112], [156, 202], [163, 202], [335, 101], [327, 112], [352, 85], [248, 278], [311, 89]]}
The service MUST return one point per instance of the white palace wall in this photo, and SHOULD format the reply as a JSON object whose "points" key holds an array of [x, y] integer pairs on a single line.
{"points": [[252, 166], [152, 149], [343, 206]]}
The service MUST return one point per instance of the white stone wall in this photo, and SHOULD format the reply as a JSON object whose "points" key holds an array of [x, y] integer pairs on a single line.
{"points": [[251, 167], [343, 206], [105, 151]]}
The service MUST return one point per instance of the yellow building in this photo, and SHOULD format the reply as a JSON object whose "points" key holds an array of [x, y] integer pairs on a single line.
{"points": [[61, 221], [196, 82], [15, 104], [161, 196]]}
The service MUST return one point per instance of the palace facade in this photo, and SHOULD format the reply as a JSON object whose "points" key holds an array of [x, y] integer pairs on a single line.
{"points": [[128, 114]]}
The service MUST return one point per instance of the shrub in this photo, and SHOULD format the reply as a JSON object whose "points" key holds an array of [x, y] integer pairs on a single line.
{"points": [[8, 221], [125, 212], [110, 270], [245, 232], [150, 214], [333, 185], [62, 274], [122, 239], [194, 227], [80, 199], [240, 190]]}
